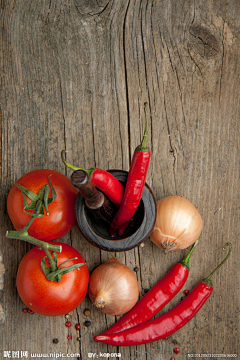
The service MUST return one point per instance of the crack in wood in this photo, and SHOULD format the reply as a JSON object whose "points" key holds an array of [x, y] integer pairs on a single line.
{"points": [[126, 78], [221, 69], [2, 272]]}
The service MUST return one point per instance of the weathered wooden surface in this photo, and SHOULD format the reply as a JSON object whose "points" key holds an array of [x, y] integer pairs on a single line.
{"points": [[75, 76]]}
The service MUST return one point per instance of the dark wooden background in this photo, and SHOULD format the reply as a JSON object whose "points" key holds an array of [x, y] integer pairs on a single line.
{"points": [[75, 75]]}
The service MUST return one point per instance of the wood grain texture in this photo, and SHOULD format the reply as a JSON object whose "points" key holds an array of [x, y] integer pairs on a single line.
{"points": [[75, 76]]}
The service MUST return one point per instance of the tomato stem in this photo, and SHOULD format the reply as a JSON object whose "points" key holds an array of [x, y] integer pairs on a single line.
{"points": [[23, 234], [75, 168], [52, 263]]}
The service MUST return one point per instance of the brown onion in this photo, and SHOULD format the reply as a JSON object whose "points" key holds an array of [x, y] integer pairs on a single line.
{"points": [[113, 288], [178, 224]]}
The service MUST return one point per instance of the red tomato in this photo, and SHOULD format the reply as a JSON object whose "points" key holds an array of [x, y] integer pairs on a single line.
{"points": [[61, 216], [51, 298]]}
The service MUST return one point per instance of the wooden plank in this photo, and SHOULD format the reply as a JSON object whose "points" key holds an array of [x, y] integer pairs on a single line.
{"points": [[75, 76]]}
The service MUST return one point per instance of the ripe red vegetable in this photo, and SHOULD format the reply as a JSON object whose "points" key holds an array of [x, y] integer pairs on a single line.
{"points": [[52, 298], [156, 298], [61, 216], [134, 186], [167, 323], [103, 180]]}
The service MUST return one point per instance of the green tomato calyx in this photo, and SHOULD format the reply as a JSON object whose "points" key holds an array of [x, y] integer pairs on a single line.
{"points": [[56, 273], [39, 201]]}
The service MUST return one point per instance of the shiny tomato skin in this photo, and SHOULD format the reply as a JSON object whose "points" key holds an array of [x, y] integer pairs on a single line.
{"points": [[61, 216], [51, 298]]}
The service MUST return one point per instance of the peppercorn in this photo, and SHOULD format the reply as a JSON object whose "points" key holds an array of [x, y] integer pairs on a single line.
{"points": [[182, 298], [78, 326], [144, 291], [87, 323], [176, 350], [186, 292], [87, 312], [68, 324], [172, 358], [55, 341], [30, 311], [78, 338], [136, 269], [175, 342], [166, 338], [69, 337], [25, 310]]}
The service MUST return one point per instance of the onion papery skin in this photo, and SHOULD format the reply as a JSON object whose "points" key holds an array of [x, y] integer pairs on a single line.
{"points": [[178, 224], [113, 288]]}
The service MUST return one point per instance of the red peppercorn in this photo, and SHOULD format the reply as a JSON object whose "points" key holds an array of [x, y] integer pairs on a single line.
{"points": [[30, 311], [172, 358], [186, 292], [166, 338], [78, 326], [69, 337], [68, 324], [25, 310], [176, 350]]}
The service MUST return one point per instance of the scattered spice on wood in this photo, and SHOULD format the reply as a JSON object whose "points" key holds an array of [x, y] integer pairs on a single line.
{"points": [[79, 338], [166, 338], [25, 310], [87, 312], [186, 292], [175, 342], [136, 269], [68, 324], [78, 326], [176, 350], [55, 341], [30, 311], [87, 323], [144, 291], [69, 337]]}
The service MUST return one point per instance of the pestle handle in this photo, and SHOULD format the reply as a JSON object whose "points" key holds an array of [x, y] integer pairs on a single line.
{"points": [[94, 199]]}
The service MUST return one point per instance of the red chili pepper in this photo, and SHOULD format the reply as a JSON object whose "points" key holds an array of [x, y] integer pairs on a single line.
{"points": [[156, 298], [135, 184], [103, 180], [168, 323]]}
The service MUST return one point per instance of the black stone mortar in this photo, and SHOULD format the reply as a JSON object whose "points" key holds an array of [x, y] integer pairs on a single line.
{"points": [[97, 233]]}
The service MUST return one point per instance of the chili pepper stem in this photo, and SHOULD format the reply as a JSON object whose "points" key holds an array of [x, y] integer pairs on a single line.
{"points": [[208, 280], [185, 261], [75, 168], [143, 146]]}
